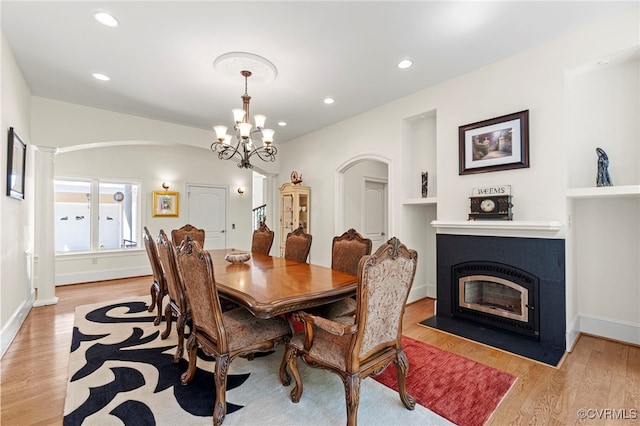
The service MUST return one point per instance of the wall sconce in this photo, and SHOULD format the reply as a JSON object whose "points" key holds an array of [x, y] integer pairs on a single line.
{"points": [[241, 190], [165, 185]]}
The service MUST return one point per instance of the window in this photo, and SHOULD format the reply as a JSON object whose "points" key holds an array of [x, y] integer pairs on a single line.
{"points": [[92, 214]]}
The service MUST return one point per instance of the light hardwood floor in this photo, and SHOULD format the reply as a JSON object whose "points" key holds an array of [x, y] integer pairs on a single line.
{"points": [[598, 374]]}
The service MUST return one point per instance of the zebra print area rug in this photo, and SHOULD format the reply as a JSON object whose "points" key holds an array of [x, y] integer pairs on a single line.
{"points": [[121, 372]]}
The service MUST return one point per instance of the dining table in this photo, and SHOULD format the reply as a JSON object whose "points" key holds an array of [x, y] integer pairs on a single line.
{"points": [[269, 285]]}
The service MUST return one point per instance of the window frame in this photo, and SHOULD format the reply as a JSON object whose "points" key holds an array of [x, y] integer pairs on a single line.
{"points": [[94, 212]]}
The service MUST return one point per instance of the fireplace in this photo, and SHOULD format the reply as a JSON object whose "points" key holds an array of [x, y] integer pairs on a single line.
{"points": [[506, 292], [497, 295]]}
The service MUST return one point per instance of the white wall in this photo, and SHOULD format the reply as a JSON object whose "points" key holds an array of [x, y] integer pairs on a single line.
{"points": [[16, 216], [534, 81]]}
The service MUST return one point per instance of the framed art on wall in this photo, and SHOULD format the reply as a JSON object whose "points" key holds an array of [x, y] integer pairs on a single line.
{"points": [[501, 143], [165, 203], [16, 161]]}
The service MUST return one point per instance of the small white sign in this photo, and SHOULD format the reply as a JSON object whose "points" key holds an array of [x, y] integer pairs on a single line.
{"points": [[491, 190]]}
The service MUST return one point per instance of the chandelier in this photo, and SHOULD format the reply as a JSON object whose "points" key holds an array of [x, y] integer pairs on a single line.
{"points": [[247, 141]]}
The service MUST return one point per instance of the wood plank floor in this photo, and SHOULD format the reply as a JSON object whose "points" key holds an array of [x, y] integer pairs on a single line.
{"points": [[598, 375]]}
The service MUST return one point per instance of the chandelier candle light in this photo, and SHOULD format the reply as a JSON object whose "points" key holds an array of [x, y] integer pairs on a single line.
{"points": [[247, 139]]}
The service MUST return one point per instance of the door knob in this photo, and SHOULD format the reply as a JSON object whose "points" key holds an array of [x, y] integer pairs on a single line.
{"points": [[222, 232]]}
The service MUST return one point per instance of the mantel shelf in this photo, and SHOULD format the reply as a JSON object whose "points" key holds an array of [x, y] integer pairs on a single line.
{"points": [[605, 192], [427, 200], [548, 229]]}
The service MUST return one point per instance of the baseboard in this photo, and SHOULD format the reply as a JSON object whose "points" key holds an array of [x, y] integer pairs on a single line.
{"points": [[622, 331], [417, 292], [101, 275], [573, 332], [11, 328]]}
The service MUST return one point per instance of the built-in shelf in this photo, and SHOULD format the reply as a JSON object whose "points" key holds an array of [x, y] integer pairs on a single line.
{"points": [[544, 229], [427, 200], [605, 192]]}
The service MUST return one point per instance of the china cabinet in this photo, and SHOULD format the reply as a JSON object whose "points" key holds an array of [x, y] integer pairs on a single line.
{"points": [[295, 206]]}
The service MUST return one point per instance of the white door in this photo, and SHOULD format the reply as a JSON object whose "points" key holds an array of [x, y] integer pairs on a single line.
{"points": [[208, 210], [375, 212]]}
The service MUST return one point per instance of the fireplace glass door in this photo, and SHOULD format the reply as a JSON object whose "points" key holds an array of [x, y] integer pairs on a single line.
{"points": [[495, 296]]}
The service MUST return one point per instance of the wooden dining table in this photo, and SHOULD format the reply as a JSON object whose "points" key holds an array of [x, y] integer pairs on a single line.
{"points": [[269, 285]]}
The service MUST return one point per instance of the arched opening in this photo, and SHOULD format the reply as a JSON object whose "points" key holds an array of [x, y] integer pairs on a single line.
{"points": [[363, 197]]}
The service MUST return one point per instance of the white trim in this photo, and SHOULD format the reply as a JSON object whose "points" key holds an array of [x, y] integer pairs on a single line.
{"points": [[572, 333], [623, 331], [506, 228], [12, 326], [102, 275]]}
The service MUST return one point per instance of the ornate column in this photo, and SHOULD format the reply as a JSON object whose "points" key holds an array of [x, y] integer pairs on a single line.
{"points": [[45, 232]]}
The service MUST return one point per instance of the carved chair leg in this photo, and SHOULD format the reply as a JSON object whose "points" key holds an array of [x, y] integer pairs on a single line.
{"points": [[352, 392], [292, 363], [152, 290], [192, 355], [220, 373], [285, 378], [402, 367], [180, 349], [168, 318], [159, 297]]}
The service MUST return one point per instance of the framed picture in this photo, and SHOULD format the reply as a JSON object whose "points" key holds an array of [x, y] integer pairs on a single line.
{"points": [[501, 143], [165, 203], [16, 161]]}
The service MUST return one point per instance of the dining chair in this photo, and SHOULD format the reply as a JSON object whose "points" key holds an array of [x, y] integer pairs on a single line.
{"points": [[158, 286], [177, 235], [223, 335], [355, 347], [262, 239], [178, 302], [297, 245]]}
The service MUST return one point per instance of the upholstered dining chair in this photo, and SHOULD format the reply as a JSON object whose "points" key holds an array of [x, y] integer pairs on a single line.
{"points": [[177, 235], [364, 345], [178, 302], [158, 286], [262, 239], [297, 245], [223, 335]]}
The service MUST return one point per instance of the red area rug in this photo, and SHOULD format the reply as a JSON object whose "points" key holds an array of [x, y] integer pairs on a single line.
{"points": [[463, 391]]}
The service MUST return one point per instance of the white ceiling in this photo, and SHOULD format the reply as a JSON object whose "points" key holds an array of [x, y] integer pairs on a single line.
{"points": [[160, 58]]}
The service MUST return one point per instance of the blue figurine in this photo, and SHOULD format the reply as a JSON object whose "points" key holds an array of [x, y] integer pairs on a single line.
{"points": [[603, 165]]}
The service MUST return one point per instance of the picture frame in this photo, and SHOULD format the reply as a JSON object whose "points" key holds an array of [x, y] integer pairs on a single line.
{"points": [[501, 143], [16, 162], [166, 203]]}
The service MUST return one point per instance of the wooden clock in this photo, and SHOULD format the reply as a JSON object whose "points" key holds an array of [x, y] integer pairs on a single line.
{"points": [[491, 207]]}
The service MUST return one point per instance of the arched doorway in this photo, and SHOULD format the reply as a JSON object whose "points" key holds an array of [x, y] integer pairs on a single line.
{"points": [[362, 188]]}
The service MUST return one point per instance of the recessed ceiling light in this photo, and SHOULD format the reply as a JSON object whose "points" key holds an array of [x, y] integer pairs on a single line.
{"points": [[282, 123], [405, 63], [100, 77], [106, 19], [329, 101]]}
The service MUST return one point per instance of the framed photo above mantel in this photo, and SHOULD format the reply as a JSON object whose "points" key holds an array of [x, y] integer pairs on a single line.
{"points": [[501, 143], [165, 203], [16, 162]]}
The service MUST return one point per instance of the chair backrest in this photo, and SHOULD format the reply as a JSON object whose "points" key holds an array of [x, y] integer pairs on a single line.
{"points": [[347, 250], [175, 287], [196, 269], [384, 282], [262, 239], [154, 260], [178, 235], [297, 245]]}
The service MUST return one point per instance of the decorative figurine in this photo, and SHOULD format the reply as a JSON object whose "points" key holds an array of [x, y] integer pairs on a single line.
{"points": [[425, 181], [296, 178], [603, 173]]}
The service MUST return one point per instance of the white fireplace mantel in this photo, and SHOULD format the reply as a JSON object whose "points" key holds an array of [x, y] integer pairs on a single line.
{"points": [[500, 228]]}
